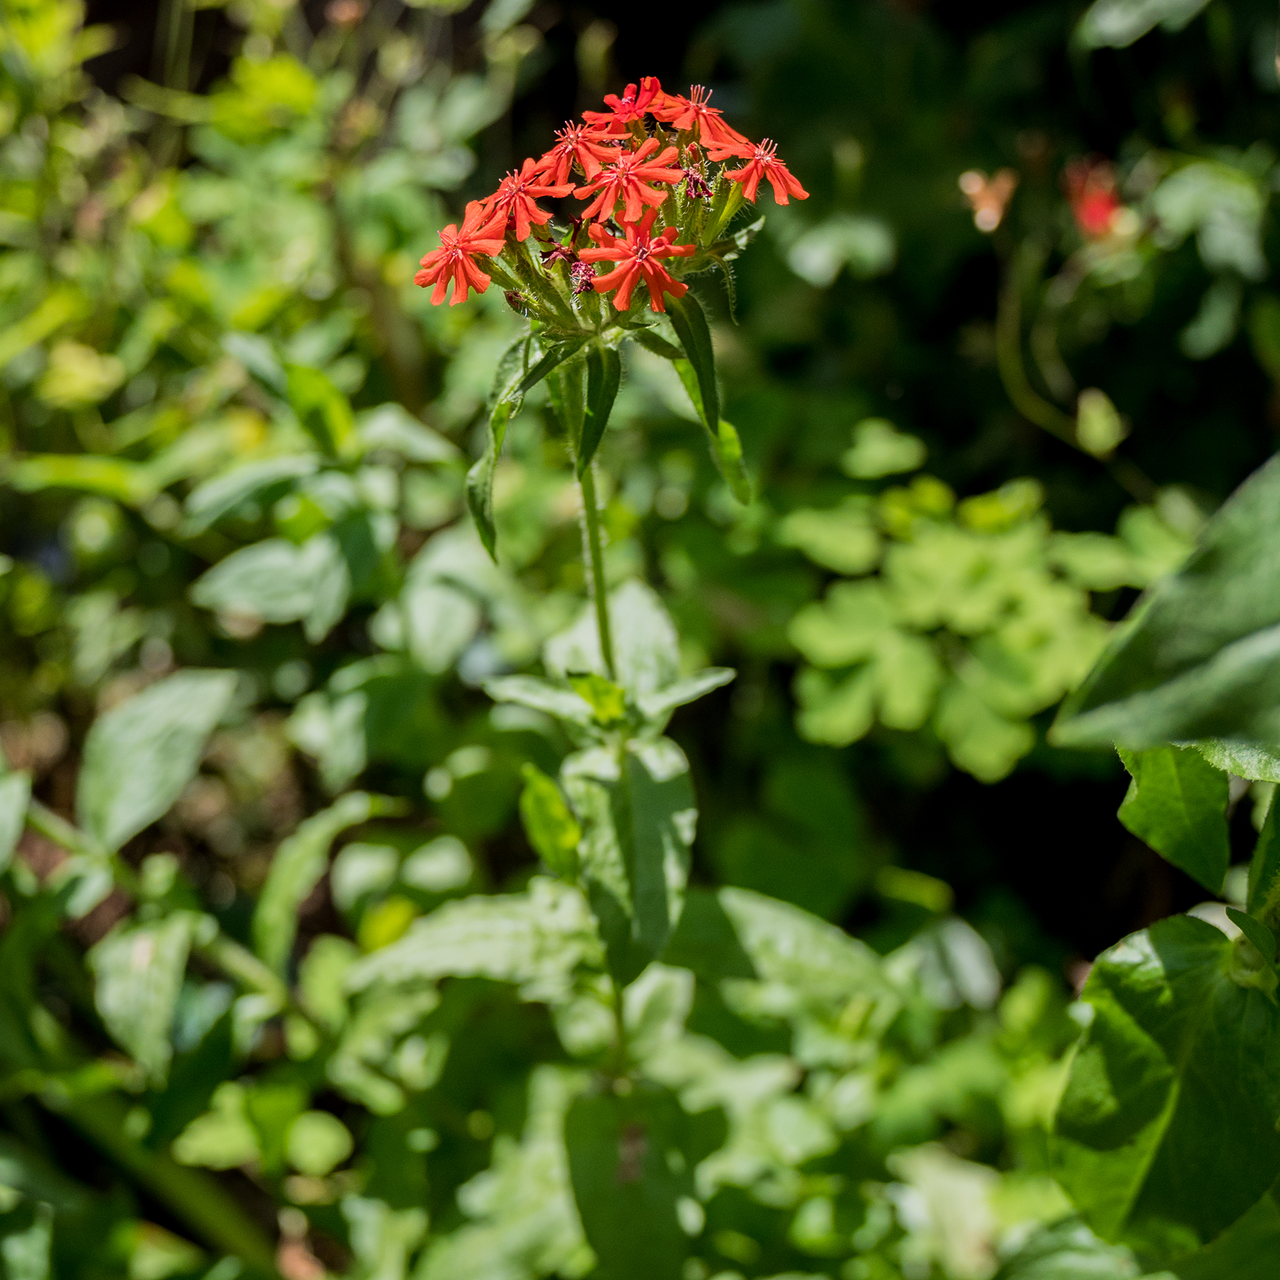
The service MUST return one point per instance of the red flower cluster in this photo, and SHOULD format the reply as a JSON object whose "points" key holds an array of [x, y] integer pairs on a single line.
{"points": [[1091, 190], [642, 161]]}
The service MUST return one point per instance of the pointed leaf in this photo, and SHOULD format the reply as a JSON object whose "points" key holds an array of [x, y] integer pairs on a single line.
{"points": [[139, 756], [1177, 803], [730, 462], [1167, 1125], [1264, 870], [656, 343], [296, 869], [1251, 760], [1199, 656], [604, 374], [549, 823], [690, 323], [542, 695], [663, 701], [1257, 933], [139, 971], [210, 501], [15, 794]]}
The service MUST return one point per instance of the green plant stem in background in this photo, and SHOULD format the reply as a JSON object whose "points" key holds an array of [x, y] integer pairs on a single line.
{"points": [[621, 1052], [595, 562]]}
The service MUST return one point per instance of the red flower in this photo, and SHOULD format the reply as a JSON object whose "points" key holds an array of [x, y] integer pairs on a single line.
{"points": [[1091, 189], [574, 142], [515, 195], [636, 256], [480, 234], [694, 113], [762, 162], [631, 106], [627, 178]]}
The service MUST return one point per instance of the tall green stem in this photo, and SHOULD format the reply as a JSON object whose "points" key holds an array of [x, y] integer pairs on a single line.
{"points": [[595, 561]]}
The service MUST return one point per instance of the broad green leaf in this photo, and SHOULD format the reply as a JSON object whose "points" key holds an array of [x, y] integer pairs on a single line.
{"points": [[535, 939], [549, 823], [138, 972], [690, 323], [1200, 655], [317, 1143], [296, 869], [1247, 1250], [1177, 804], [1069, 1251], [1166, 1130], [843, 538], [638, 818], [541, 695], [391, 426], [140, 755], [276, 581], [646, 648], [1257, 933], [1248, 760], [604, 374], [210, 501], [382, 1238], [221, 1138], [628, 1172], [439, 621], [325, 413], [880, 449], [15, 794], [26, 1250]]}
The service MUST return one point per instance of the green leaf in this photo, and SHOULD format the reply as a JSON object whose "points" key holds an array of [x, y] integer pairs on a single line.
{"points": [[730, 462], [324, 412], [638, 817], [1264, 870], [27, 1251], [880, 449], [1119, 23], [1257, 933], [541, 695], [15, 794], [127, 482], [535, 939], [276, 581], [296, 869], [604, 374], [1199, 656], [605, 698], [317, 1143], [480, 476], [1069, 1251], [140, 755], [656, 343], [566, 392], [1166, 1130], [1177, 803], [138, 971], [657, 705], [690, 323], [392, 427], [549, 823], [628, 1172], [1247, 1250], [1248, 760], [843, 538], [210, 501]]}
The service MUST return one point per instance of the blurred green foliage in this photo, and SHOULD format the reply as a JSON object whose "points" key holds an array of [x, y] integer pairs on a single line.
{"points": [[253, 1020]]}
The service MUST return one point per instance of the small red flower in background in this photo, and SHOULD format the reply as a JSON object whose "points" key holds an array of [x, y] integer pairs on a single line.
{"points": [[480, 234], [628, 179], [632, 106], [637, 255], [762, 162], [694, 112], [516, 195], [1091, 189], [575, 143]]}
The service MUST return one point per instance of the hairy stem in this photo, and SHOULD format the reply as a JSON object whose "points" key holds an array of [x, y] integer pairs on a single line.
{"points": [[595, 561]]}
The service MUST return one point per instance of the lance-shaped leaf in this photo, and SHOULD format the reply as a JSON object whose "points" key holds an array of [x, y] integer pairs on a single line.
{"points": [[604, 374], [138, 971], [690, 323], [1177, 803], [1167, 1128], [140, 755], [639, 817], [629, 1170], [509, 395], [549, 823], [15, 794], [296, 869], [1200, 655], [1264, 870]]}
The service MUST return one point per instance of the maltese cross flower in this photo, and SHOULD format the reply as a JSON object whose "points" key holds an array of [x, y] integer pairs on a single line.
{"points": [[480, 234], [574, 142], [633, 105], [637, 258], [762, 162], [694, 113], [627, 180], [516, 195]]}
